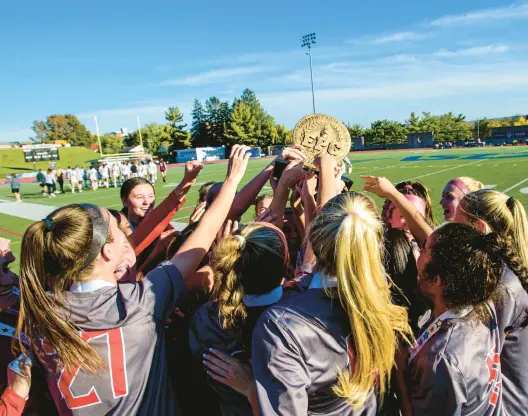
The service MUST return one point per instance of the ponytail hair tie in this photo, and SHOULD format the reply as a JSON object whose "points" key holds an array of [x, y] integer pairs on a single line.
{"points": [[48, 224], [510, 203], [241, 241], [408, 186]]}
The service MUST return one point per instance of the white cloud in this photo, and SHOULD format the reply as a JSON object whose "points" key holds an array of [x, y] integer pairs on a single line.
{"points": [[476, 51], [122, 112], [402, 59], [513, 11], [434, 87], [212, 76], [399, 37]]}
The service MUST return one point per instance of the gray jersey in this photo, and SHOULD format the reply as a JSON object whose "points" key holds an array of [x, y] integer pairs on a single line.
{"points": [[298, 345], [124, 324], [206, 332], [512, 316], [458, 370]]}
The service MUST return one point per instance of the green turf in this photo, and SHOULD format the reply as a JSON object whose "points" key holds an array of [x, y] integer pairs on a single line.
{"points": [[502, 167], [12, 160]]}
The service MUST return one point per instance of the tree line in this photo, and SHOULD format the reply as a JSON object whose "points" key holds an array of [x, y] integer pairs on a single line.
{"points": [[245, 121], [214, 123], [446, 127]]}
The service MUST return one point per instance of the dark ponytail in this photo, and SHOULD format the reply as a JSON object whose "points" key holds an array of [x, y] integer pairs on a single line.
{"points": [[470, 264]]}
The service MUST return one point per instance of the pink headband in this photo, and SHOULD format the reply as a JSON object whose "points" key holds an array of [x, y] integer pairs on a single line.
{"points": [[459, 184], [281, 236], [417, 202]]}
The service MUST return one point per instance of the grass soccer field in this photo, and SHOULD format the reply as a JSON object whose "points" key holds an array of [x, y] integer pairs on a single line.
{"points": [[502, 168]]}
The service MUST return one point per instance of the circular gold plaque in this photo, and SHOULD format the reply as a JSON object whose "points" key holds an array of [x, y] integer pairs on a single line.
{"points": [[319, 133]]}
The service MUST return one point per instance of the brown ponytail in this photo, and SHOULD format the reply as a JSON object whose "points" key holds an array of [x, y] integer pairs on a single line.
{"points": [[53, 255]]}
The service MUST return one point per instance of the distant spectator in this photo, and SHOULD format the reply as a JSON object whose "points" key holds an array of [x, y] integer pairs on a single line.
{"points": [[15, 186], [60, 180], [49, 179], [41, 179]]}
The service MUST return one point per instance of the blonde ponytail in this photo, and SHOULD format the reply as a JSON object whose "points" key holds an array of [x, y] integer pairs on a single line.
{"points": [[251, 261], [228, 290], [502, 214], [346, 237]]}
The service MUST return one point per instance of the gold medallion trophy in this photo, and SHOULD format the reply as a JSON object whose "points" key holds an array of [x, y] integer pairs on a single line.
{"points": [[317, 134]]}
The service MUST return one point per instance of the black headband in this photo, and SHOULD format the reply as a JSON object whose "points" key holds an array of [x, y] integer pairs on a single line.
{"points": [[99, 232], [510, 203]]}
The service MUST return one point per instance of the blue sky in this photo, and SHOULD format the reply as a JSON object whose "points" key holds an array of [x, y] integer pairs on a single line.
{"points": [[372, 60]]}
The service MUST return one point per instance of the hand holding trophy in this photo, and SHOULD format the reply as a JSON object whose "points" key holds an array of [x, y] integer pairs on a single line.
{"points": [[318, 134]]}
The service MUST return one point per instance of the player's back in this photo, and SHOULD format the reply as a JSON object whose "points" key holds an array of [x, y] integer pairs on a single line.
{"points": [[124, 324]]}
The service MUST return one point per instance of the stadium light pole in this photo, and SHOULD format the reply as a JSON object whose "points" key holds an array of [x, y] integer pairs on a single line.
{"points": [[309, 40]]}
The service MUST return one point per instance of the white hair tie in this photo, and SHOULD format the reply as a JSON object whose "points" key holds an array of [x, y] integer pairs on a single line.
{"points": [[241, 241]]}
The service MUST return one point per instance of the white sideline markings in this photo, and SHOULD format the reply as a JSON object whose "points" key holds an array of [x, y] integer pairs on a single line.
{"points": [[515, 186], [524, 191], [440, 171]]}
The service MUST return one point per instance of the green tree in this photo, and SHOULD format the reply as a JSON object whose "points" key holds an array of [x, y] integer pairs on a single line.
{"points": [[241, 127], [39, 127], [260, 126], [62, 127], [153, 136], [199, 125], [355, 130], [281, 135], [386, 132], [176, 129], [216, 119], [111, 143]]}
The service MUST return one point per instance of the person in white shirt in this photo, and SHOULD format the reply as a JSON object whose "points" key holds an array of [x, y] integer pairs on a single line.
{"points": [[78, 174], [105, 174], [50, 182], [72, 177], [92, 173], [116, 172], [125, 171], [153, 171], [142, 169]]}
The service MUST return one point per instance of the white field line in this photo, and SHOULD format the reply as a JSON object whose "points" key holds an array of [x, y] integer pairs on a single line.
{"points": [[440, 171], [354, 172], [515, 186]]}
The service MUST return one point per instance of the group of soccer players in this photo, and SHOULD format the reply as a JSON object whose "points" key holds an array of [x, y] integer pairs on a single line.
{"points": [[322, 305]]}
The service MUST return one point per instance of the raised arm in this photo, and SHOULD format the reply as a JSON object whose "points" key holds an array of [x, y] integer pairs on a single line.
{"points": [[196, 246], [417, 224], [292, 175], [246, 197], [157, 221], [327, 181]]}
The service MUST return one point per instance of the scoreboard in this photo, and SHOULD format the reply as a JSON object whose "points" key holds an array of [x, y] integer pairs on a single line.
{"points": [[40, 153]]}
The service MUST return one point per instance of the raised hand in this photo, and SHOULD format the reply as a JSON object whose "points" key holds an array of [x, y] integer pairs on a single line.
{"points": [[192, 169], [293, 174], [198, 212], [326, 161], [379, 186], [238, 162], [295, 152], [230, 371]]}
